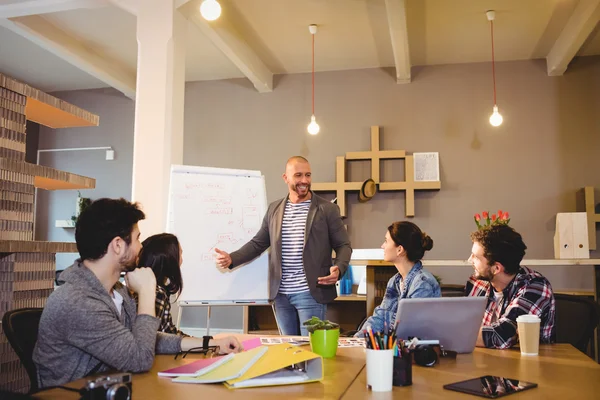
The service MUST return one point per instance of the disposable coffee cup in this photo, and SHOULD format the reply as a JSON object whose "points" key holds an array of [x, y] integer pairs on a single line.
{"points": [[529, 334], [380, 367]]}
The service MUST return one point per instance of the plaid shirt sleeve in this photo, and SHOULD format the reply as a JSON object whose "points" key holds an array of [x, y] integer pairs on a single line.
{"points": [[535, 298], [163, 312]]}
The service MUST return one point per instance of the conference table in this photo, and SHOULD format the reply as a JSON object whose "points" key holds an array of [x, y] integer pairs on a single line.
{"points": [[560, 370]]}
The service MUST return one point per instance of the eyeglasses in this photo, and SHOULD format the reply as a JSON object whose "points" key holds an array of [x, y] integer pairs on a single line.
{"points": [[209, 352]]}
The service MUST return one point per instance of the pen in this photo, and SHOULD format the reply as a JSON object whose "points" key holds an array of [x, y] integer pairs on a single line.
{"points": [[367, 339], [385, 337], [372, 339]]}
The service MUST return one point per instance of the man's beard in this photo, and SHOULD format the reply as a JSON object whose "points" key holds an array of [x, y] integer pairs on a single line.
{"points": [[486, 278], [295, 188], [128, 263]]}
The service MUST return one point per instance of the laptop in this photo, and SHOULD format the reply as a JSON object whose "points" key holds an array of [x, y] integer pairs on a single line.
{"points": [[454, 321]]}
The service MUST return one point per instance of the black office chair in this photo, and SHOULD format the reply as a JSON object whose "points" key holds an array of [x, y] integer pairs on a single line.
{"points": [[21, 329], [358, 328], [576, 319]]}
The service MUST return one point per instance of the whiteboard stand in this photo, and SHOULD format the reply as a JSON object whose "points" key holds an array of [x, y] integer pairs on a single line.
{"points": [[208, 321], [182, 306], [275, 315]]}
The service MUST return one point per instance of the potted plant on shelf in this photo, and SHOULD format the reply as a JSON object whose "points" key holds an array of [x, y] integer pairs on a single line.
{"points": [[323, 335], [82, 204]]}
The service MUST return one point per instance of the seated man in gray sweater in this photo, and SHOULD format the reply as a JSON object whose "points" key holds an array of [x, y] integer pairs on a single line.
{"points": [[90, 323]]}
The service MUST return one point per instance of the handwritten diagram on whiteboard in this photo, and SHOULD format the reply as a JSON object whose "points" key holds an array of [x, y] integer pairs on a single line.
{"points": [[218, 208]]}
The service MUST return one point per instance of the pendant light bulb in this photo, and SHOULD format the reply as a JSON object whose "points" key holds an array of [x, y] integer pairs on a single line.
{"points": [[496, 118], [210, 10], [313, 128]]}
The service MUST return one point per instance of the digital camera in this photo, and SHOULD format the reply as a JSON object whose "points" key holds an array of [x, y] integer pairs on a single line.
{"points": [[109, 387]]}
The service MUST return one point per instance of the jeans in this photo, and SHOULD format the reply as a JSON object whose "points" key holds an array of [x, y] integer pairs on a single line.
{"points": [[291, 310]]}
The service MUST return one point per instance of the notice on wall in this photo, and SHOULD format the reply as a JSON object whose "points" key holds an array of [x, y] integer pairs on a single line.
{"points": [[427, 167]]}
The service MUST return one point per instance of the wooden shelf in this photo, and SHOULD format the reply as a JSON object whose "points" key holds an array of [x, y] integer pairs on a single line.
{"points": [[48, 178], [465, 263], [64, 223], [351, 297], [54, 117], [48, 110], [265, 332], [585, 293], [27, 246]]}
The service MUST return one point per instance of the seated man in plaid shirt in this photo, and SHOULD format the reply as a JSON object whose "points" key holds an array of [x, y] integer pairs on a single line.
{"points": [[511, 290]]}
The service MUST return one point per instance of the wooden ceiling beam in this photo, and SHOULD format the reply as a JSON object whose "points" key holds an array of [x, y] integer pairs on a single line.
{"points": [[224, 35], [584, 19], [396, 15], [51, 38]]}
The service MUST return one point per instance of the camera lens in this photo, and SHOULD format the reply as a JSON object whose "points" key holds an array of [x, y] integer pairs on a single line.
{"points": [[118, 392], [425, 356]]}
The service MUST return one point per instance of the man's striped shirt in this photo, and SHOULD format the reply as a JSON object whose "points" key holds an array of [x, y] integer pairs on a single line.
{"points": [[293, 278]]}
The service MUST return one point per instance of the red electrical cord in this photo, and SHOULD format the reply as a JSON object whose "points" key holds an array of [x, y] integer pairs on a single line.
{"points": [[313, 74], [493, 61]]}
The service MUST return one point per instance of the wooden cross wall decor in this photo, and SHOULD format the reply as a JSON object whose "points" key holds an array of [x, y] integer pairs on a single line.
{"points": [[592, 217], [375, 155]]}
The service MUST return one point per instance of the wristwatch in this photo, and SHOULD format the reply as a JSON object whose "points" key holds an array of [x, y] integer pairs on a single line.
{"points": [[205, 340]]}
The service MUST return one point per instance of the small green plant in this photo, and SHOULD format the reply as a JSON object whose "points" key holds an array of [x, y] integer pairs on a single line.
{"points": [[83, 203], [316, 323]]}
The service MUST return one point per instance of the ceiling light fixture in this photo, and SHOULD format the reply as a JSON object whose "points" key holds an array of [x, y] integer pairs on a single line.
{"points": [[495, 118], [313, 128], [210, 10]]}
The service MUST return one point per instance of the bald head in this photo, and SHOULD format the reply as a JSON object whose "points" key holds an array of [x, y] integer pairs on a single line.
{"points": [[295, 159], [298, 178]]}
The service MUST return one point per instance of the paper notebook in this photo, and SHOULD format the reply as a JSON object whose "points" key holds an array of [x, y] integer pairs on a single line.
{"points": [[236, 367], [197, 368], [282, 364], [251, 344]]}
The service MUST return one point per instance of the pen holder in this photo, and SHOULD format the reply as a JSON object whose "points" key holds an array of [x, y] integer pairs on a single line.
{"points": [[402, 373], [380, 365]]}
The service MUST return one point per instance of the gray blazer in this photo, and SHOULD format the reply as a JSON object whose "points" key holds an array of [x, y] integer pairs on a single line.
{"points": [[324, 231]]}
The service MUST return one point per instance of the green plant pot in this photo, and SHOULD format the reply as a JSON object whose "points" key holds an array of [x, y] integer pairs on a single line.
{"points": [[325, 342]]}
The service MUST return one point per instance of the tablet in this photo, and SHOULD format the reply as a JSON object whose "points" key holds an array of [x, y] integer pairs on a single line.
{"points": [[490, 386]]}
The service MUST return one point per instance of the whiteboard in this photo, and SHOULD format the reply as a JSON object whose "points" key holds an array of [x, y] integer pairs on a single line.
{"points": [[223, 208]]}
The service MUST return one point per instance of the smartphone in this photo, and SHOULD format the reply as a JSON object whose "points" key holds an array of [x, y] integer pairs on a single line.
{"points": [[490, 386]]}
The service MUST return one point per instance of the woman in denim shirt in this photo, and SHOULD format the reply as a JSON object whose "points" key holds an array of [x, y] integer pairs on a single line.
{"points": [[404, 245]]}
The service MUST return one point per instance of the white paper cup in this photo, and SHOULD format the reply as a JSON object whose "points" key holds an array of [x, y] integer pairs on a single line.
{"points": [[380, 367], [529, 334]]}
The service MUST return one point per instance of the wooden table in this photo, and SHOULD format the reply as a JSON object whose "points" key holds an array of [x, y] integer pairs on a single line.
{"points": [[339, 372], [561, 372]]}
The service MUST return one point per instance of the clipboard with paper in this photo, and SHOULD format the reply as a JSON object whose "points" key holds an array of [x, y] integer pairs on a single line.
{"points": [[282, 364]]}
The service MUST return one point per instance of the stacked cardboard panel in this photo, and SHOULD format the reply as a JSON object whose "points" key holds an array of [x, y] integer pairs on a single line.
{"points": [[26, 280], [27, 267]]}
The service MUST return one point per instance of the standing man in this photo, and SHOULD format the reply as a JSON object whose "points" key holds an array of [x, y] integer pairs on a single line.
{"points": [[512, 290], [301, 230]]}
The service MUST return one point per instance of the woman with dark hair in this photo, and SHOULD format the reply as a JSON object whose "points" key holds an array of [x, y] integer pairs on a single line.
{"points": [[163, 254], [404, 245]]}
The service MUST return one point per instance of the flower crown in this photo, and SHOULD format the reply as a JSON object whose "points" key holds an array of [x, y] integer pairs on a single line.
{"points": [[484, 220]]}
